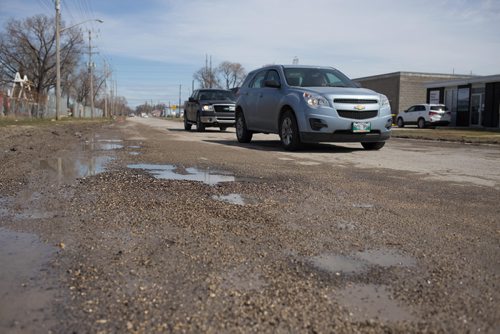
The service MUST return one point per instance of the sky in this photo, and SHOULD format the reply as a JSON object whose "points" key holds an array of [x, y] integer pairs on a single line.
{"points": [[155, 46]]}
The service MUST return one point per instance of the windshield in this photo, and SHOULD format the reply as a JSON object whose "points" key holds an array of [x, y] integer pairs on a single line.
{"points": [[217, 95], [316, 77]]}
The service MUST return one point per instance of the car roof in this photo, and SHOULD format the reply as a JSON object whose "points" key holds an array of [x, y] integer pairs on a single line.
{"points": [[213, 89]]}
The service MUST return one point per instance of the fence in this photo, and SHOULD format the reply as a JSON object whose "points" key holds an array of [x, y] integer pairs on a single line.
{"points": [[23, 108]]}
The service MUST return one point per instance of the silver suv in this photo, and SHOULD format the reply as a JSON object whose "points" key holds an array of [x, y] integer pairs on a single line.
{"points": [[310, 104]]}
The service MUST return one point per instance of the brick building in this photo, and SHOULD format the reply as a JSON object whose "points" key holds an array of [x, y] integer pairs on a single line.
{"points": [[404, 89], [473, 102]]}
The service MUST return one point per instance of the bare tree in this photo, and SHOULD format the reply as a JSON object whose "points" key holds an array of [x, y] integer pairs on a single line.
{"points": [[28, 47], [206, 77], [80, 84], [230, 74]]}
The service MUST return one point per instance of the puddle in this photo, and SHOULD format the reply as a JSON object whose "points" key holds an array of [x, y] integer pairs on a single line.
{"points": [[235, 199], [67, 170], [171, 172], [24, 302], [363, 206], [338, 264], [370, 301], [110, 146], [4, 212], [134, 153], [348, 226], [240, 279], [360, 262], [386, 258], [134, 146]]}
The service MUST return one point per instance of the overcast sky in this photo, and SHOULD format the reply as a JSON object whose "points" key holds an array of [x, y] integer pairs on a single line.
{"points": [[154, 46]]}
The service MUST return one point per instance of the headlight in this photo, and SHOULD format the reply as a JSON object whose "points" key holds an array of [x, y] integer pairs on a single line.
{"points": [[208, 107], [315, 100], [384, 101]]}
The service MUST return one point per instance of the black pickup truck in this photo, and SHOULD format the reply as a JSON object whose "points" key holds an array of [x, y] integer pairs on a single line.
{"points": [[209, 108]]}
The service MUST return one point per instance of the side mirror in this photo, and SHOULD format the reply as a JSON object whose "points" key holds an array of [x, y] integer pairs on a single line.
{"points": [[191, 100], [272, 84]]}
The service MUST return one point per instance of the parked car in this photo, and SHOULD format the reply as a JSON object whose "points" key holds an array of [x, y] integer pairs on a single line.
{"points": [[310, 104], [209, 107], [424, 115]]}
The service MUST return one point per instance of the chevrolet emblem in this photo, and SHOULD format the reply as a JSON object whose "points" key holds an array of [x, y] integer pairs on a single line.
{"points": [[359, 107]]}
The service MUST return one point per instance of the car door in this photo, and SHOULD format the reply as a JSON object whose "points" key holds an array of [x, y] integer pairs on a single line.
{"points": [[410, 115], [192, 107], [252, 95], [268, 103]]}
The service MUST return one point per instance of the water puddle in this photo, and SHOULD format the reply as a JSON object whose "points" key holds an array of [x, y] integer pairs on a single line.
{"points": [[67, 170], [360, 262], [24, 302], [134, 146], [110, 144], [171, 172], [370, 301], [242, 280], [363, 206], [338, 264], [134, 153], [236, 199]]}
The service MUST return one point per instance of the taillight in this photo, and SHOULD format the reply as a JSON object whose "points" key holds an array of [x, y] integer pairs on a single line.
{"points": [[432, 113]]}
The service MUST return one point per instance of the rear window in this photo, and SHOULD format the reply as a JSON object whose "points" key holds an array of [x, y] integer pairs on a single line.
{"points": [[445, 108]]}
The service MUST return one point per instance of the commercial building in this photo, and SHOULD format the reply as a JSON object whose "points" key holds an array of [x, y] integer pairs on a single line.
{"points": [[404, 89], [473, 102]]}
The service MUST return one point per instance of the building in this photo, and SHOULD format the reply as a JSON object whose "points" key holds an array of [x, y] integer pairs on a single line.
{"points": [[473, 101], [404, 89]]}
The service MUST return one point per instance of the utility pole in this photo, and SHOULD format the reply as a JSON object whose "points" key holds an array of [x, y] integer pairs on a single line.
{"points": [[58, 59], [91, 78], [180, 90]]}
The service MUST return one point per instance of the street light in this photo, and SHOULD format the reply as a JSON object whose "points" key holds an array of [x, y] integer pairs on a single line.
{"points": [[58, 54]]}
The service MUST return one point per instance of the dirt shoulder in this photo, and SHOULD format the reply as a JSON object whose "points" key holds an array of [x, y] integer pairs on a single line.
{"points": [[314, 248], [450, 134]]}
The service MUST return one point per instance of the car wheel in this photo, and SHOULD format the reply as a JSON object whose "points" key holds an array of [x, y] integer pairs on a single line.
{"points": [[199, 125], [242, 133], [421, 123], [222, 128], [373, 146], [401, 123], [289, 132], [187, 125]]}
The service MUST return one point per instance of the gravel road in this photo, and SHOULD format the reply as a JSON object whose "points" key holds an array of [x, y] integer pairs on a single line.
{"points": [[136, 226]]}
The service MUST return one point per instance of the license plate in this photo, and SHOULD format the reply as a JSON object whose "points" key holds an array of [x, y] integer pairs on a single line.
{"points": [[360, 127]]}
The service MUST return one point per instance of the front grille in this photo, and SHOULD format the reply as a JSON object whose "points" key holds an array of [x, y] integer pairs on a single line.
{"points": [[355, 114], [222, 109], [355, 101]]}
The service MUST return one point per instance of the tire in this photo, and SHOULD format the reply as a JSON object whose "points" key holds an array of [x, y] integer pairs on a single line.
{"points": [[289, 132], [187, 125], [242, 133], [373, 146], [222, 128], [401, 123], [421, 123], [199, 125]]}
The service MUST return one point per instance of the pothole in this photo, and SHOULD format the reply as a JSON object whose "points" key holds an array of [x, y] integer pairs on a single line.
{"points": [[371, 301], [236, 199], [360, 262], [172, 172], [67, 170]]}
